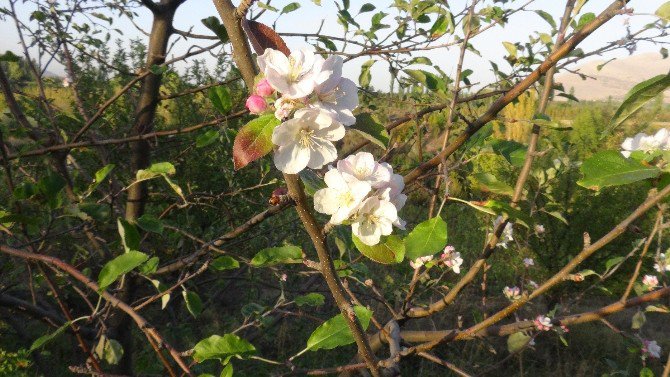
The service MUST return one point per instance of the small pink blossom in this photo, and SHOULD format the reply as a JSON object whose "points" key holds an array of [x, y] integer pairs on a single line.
{"points": [[418, 262], [512, 293], [256, 104], [565, 328], [533, 284], [283, 277], [650, 282], [651, 348], [543, 323], [452, 259], [263, 88], [539, 229], [528, 262]]}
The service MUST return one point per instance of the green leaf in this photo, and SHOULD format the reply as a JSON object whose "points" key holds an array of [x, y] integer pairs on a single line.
{"points": [[109, 350], [44, 339], [254, 140], [511, 48], [220, 97], [290, 8], [585, 19], [100, 175], [130, 237], [365, 76], [150, 223], [222, 348], [646, 372], [636, 98], [206, 138], [328, 43], [120, 265], [213, 24], [335, 331], [150, 266], [368, 126], [488, 182], [277, 255], [227, 370], [193, 302], [517, 341], [311, 181], [427, 238], [389, 250], [513, 152], [431, 80], [367, 7], [442, 25], [638, 320], [224, 262], [664, 11], [613, 262], [421, 60], [547, 17], [155, 170], [610, 168], [310, 299]]}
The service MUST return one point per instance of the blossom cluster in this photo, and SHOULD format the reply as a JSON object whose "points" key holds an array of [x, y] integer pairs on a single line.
{"points": [[646, 143], [313, 101], [364, 193], [449, 258], [649, 282], [507, 234], [651, 348], [543, 323], [662, 263], [512, 293]]}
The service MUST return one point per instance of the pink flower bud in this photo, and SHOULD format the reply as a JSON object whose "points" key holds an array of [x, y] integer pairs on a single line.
{"points": [[263, 88], [256, 104]]}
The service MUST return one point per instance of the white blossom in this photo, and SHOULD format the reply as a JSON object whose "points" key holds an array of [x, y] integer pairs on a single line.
{"points": [[306, 141], [294, 76], [528, 262], [507, 234], [363, 167], [375, 218], [646, 143], [335, 93], [539, 229], [341, 198], [651, 348], [662, 263], [452, 259], [543, 323]]}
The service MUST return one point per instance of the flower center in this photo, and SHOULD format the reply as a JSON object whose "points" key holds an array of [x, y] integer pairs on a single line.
{"points": [[346, 199], [362, 172], [295, 70], [305, 138]]}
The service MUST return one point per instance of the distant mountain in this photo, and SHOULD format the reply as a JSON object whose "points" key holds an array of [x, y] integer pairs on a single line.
{"points": [[615, 78]]}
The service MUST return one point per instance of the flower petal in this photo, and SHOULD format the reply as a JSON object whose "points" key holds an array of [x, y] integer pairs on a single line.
{"points": [[291, 159], [322, 152], [326, 201]]}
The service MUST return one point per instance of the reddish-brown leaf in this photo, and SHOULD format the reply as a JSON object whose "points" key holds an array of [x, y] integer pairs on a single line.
{"points": [[254, 140], [262, 37]]}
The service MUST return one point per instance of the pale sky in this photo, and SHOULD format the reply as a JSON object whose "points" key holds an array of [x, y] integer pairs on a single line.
{"points": [[309, 17]]}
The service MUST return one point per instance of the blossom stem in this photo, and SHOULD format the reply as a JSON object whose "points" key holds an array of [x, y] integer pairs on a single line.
{"points": [[328, 271]]}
